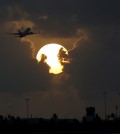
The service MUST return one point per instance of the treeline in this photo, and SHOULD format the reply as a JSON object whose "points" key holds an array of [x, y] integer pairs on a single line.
{"points": [[17, 124], [90, 122]]}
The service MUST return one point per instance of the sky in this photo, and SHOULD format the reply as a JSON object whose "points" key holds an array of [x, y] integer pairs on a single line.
{"points": [[88, 29]]}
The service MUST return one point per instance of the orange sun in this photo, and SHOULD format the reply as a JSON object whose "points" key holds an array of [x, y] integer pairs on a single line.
{"points": [[55, 55]]}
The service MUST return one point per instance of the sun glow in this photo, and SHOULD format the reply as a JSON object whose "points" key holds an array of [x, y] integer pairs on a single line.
{"points": [[54, 55]]}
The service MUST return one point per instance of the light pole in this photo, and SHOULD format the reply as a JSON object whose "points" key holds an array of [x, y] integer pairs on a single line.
{"points": [[105, 105], [119, 105], [116, 108], [27, 104]]}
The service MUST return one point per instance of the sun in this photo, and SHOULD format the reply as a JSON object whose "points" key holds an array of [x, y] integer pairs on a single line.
{"points": [[54, 55]]}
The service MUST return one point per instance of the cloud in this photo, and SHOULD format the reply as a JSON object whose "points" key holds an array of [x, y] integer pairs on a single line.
{"points": [[16, 12], [32, 45], [19, 71], [18, 24], [93, 66], [44, 17]]}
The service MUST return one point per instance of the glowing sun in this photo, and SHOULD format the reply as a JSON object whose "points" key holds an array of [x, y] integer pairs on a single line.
{"points": [[54, 55]]}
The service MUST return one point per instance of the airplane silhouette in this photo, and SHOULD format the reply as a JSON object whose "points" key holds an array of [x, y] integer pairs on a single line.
{"points": [[24, 33]]}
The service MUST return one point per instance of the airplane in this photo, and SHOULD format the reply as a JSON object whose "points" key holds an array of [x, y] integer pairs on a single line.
{"points": [[24, 33]]}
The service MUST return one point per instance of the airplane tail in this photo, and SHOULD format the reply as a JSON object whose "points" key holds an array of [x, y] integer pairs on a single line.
{"points": [[20, 34], [19, 31]]}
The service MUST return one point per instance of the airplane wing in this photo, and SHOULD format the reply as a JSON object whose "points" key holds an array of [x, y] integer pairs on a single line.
{"points": [[13, 33], [33, 33]]}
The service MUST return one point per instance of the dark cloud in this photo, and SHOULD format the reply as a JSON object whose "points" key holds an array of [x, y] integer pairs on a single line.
{"points": [[19, 71], [95, 66]]}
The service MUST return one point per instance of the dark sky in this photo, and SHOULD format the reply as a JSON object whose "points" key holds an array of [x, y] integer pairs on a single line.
{"points": [[89, 29]]}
